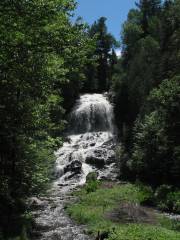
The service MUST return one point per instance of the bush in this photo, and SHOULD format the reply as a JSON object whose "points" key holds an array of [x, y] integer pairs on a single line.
{"points": [[91, 177], [92, 186], [91, 182], [148, 194], [167, 199], [162, 192], [173, 200]]}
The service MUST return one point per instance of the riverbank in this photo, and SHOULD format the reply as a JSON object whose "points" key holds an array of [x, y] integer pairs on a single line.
{"points": [[116, 210]]}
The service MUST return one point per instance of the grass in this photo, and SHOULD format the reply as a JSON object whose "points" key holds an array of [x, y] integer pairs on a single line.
{"points": [[92, 208], [143, 232]]}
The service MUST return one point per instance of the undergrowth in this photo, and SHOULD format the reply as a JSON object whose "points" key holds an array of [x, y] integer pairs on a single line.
{"points": [[93, 206]]}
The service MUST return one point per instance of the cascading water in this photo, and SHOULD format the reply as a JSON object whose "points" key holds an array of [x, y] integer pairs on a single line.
{"points": [[89, 147], [92, 113]]}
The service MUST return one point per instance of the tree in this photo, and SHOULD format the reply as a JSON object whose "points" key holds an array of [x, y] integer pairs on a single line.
{"points": [[42, 54], [148, 8], [147, 105], [104, 56], [140, 58], [170, 39], [155, 157]]}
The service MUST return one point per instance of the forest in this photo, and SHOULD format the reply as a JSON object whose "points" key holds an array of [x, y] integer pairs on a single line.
{"points": [[47, 61]]}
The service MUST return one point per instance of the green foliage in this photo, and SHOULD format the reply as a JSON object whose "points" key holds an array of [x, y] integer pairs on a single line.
{"points": [[106, 199], [99, 70], [155, 155], [146, 85], [173, 200], [92, 176], [92, 186], [149, 137], [43, 57], [162, 192], [167, 199], [91, 182], [148, 194], [92, 210], [42, 159], [143, 232], [171, 224]]}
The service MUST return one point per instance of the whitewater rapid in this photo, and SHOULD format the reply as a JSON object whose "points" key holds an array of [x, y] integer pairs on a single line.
{"points": [[89, 146]]}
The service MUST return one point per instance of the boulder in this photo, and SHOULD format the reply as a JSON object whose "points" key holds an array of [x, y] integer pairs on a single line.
{"points": [[97, 161], [100, 157], [92, 144], [111, 157], [102, 236], [75, 167]]}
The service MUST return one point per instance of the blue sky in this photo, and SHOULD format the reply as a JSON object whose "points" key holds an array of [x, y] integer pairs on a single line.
{"points": [[114, 10]]}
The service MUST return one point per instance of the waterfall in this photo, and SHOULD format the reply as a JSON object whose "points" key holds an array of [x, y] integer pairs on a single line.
{"points": [[89, 147], [92, 113], [90, 143]]}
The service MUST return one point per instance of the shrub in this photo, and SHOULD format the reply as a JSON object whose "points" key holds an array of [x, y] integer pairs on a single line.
{"points": [[91, 177], [167, 199], [92, 186], [173, 200], [148, 194], [162, 192]]}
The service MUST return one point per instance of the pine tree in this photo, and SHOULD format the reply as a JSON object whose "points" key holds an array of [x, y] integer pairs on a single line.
{"points": [[148, 9], [105, 43]]}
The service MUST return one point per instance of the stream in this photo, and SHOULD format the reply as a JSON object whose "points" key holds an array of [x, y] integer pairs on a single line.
{"points": [[89, 147]]}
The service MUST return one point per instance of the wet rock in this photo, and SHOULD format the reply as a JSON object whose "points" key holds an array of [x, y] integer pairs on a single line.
{"points": [[36, 203], [92, 144], [85, 146], [67, 139], [109, 144], [100, 152], [76, 146], [36, 235], [75, 167], [104, 178], [96, 161], [101, 156], [62, 184], [71, 176], [111, 158], [102, 236]]}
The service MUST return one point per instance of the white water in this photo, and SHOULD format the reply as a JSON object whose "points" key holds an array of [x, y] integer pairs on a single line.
{"points": [[91, 134], [89, 147], [92, 113]]}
